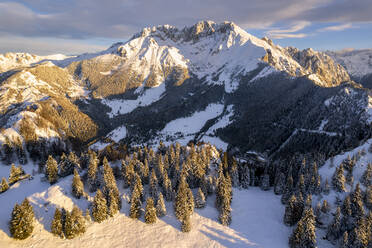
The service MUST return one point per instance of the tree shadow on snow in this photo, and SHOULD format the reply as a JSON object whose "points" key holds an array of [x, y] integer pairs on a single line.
{"points": [[226, 239]]}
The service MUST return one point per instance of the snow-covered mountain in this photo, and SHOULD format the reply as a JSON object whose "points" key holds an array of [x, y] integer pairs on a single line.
{"points": [[200, 83], [357, 62]]}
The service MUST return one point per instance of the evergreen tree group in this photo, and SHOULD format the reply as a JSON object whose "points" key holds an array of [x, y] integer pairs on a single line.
{"points": [[67, 224], [21, 224]]}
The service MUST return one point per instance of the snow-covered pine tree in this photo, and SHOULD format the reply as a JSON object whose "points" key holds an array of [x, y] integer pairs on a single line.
{"points": [[265, 182], [127, 171], [368, 197], [366, 179], [288, 189], [357, 208], [338, 180], [150, 211], [345, 240], [326, 187], [334, 230], [244, 172], [51, 170], [15, 174], [21, 224], [110, 189], [160, 206], [279, 187], [225, 212], [325, 207], [74, 223], [65, 166], [57, 225], [359, 237], [292, 212], [77, 185], [92, 172], [168, 189], [181, 207], [304, 234], [99, 208], [135, 202], [153, 188], [87, 216], [200, 199], [4, 185], [234, 173], [112, 203]]}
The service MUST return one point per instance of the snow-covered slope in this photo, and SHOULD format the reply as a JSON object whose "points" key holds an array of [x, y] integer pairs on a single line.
{"points": [[357, 62], [9, 61], [253, 211]]}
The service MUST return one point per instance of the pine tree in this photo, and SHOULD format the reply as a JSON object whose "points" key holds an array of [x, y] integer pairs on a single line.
{"points": [[160, 206], [92, 172], [288, 189], [181, 204], [338, 180], [292, 212], [57, 225], [150, 211], [87, 215], [51, 170], [366, 179], [357, 207], [225, 212], [244, 176], [186, 224], [234, 173], [265, 185], [77, 185], [334, 229], [325, 207], [279, 187], [110, 189], [345, 240], [304, 234], [135, 202], [153, 189], [112, 203], [4, 185], [99, 208], [359, 237], [168, 189], [368, 197], [22, 221], [326, 187], [15, 174], [200, 199]]}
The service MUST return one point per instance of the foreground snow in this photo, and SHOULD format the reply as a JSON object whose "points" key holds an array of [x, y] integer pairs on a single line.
{"points": [[257, 221]]}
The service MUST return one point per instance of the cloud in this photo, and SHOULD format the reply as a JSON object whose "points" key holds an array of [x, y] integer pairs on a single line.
{"points": [[336, 27], [289, 32], [46, 46], [284, 36], [121, 18]]}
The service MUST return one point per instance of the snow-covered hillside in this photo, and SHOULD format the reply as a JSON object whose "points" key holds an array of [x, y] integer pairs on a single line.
{"points": [[257, 220]]}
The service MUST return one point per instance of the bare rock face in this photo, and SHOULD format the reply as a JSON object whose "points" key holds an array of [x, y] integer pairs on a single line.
{"points": [[325, 68]]}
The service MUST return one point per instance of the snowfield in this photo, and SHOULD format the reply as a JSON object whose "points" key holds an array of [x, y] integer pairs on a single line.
{"points": [[256, 220], [147, 97]]}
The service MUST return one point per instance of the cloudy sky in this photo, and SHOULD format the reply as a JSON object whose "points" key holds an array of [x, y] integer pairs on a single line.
{"points": [[76, 26]]}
